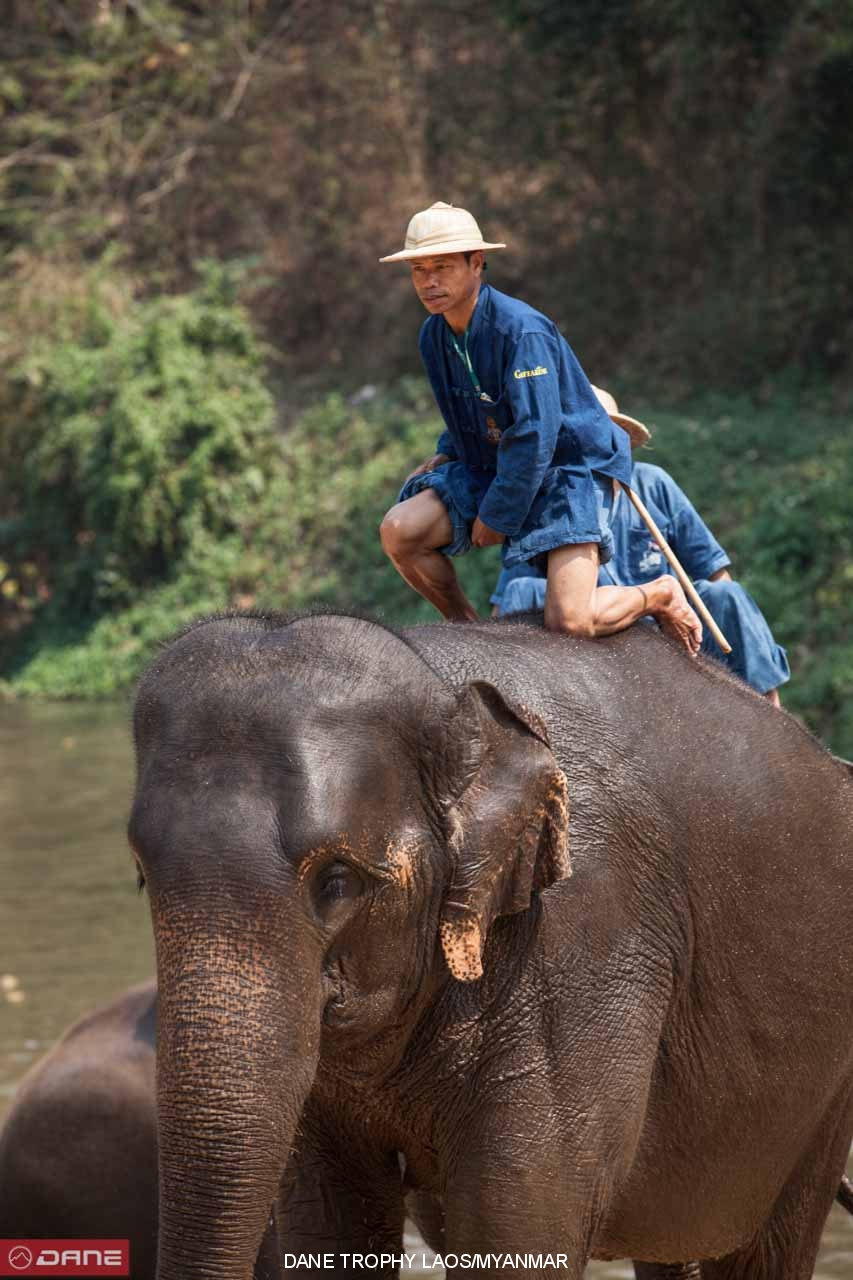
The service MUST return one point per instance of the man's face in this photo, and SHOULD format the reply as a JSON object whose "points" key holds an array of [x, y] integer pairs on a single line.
{"points": [[446, 282]]}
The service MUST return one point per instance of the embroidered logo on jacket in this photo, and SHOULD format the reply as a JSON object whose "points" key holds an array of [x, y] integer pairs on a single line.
{"points": [[530, 373], [651, 558]]}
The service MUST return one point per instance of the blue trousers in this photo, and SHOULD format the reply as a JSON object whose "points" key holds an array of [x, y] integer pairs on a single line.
{"points": [[755, 655]]}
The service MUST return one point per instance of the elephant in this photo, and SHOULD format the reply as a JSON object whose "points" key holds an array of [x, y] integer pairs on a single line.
{"points": [[550, 935], [78, 1149]]}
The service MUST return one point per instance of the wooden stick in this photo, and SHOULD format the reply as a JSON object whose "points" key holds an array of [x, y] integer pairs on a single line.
{"points": [[690, 590]]}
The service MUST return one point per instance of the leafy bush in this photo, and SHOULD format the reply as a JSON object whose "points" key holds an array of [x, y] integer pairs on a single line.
{"points": [[147, 442], [104, 661], [233, 515], [307, 534]]}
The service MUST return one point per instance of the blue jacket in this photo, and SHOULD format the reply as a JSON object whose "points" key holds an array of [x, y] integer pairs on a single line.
{"points": [[541, 412]]}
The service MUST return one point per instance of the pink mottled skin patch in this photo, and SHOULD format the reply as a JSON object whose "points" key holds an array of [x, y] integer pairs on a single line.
{"points": [[399, 860], [461, 943], [396, 864]]}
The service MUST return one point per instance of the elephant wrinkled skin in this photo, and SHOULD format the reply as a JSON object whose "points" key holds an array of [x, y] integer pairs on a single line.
{"points": [[78, 1147], [356, 844]]}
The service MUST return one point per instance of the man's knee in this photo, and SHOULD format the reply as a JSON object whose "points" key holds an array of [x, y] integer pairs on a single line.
{"points": [[394, 534], [414, 526], [724, 600], [721, 593], [569, 620]]}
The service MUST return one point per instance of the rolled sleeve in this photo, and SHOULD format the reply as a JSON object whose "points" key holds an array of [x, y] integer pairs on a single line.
{"points": [[695, 545], [526, 450]]}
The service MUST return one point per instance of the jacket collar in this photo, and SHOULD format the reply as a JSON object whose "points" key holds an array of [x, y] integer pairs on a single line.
{"points": [[476, 322]]}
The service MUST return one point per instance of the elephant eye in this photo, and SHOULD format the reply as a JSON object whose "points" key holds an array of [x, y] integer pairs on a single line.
{"points": [[140, 875], [336, 885]]}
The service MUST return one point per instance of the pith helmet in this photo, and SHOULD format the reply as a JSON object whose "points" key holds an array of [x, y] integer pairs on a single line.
{"points": [[442, 228], [637, 432]]}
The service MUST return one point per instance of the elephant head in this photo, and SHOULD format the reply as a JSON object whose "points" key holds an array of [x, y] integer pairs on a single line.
{"points": [[315, 812]]}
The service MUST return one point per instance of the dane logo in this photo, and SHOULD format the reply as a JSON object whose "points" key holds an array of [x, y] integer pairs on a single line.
{"points": [[64, 1257]]}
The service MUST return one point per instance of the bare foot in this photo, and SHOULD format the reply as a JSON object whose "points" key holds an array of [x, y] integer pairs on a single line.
{"points": [[772, 696], [674, 614]]}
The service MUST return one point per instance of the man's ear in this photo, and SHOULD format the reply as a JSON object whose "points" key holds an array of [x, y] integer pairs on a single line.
{"points": [[508, 825]]}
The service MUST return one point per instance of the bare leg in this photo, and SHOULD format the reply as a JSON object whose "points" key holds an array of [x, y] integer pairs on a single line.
{"points": [[410, 534], [575, 603], [772, 696]]}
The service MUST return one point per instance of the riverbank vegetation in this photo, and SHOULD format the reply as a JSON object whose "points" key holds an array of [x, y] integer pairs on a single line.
{"points": [[211, 390]]}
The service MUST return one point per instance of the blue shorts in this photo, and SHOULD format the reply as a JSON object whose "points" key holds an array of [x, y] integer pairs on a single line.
{"points": [[572, 506]]}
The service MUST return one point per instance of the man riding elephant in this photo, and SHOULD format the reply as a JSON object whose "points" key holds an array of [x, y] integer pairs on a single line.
{"points": [[528, 458]]}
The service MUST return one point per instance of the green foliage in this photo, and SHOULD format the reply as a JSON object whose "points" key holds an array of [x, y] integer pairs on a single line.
{"points": [[104, 660], [148, 443], [308, 534], [773, 482]]}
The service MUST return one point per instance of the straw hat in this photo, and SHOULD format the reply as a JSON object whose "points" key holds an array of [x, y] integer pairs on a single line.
{"points": [[637, 432], [442, 228]]}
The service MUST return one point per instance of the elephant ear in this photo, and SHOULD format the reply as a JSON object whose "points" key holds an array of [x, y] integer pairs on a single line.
{"points": [[508, 825]]}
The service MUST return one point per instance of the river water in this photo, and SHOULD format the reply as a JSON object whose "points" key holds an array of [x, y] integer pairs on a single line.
{"points": [[73, 930]]}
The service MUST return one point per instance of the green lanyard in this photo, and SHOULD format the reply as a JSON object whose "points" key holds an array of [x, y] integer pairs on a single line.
{"points": [[466, 360]]}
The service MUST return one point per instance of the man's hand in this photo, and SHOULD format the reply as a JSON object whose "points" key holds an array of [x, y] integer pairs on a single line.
{"points": [[430, 465], [674, 615], [483, 536]]}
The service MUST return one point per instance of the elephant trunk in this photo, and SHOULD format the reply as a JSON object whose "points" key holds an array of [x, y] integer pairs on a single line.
{"points": [[236, 1058]]}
